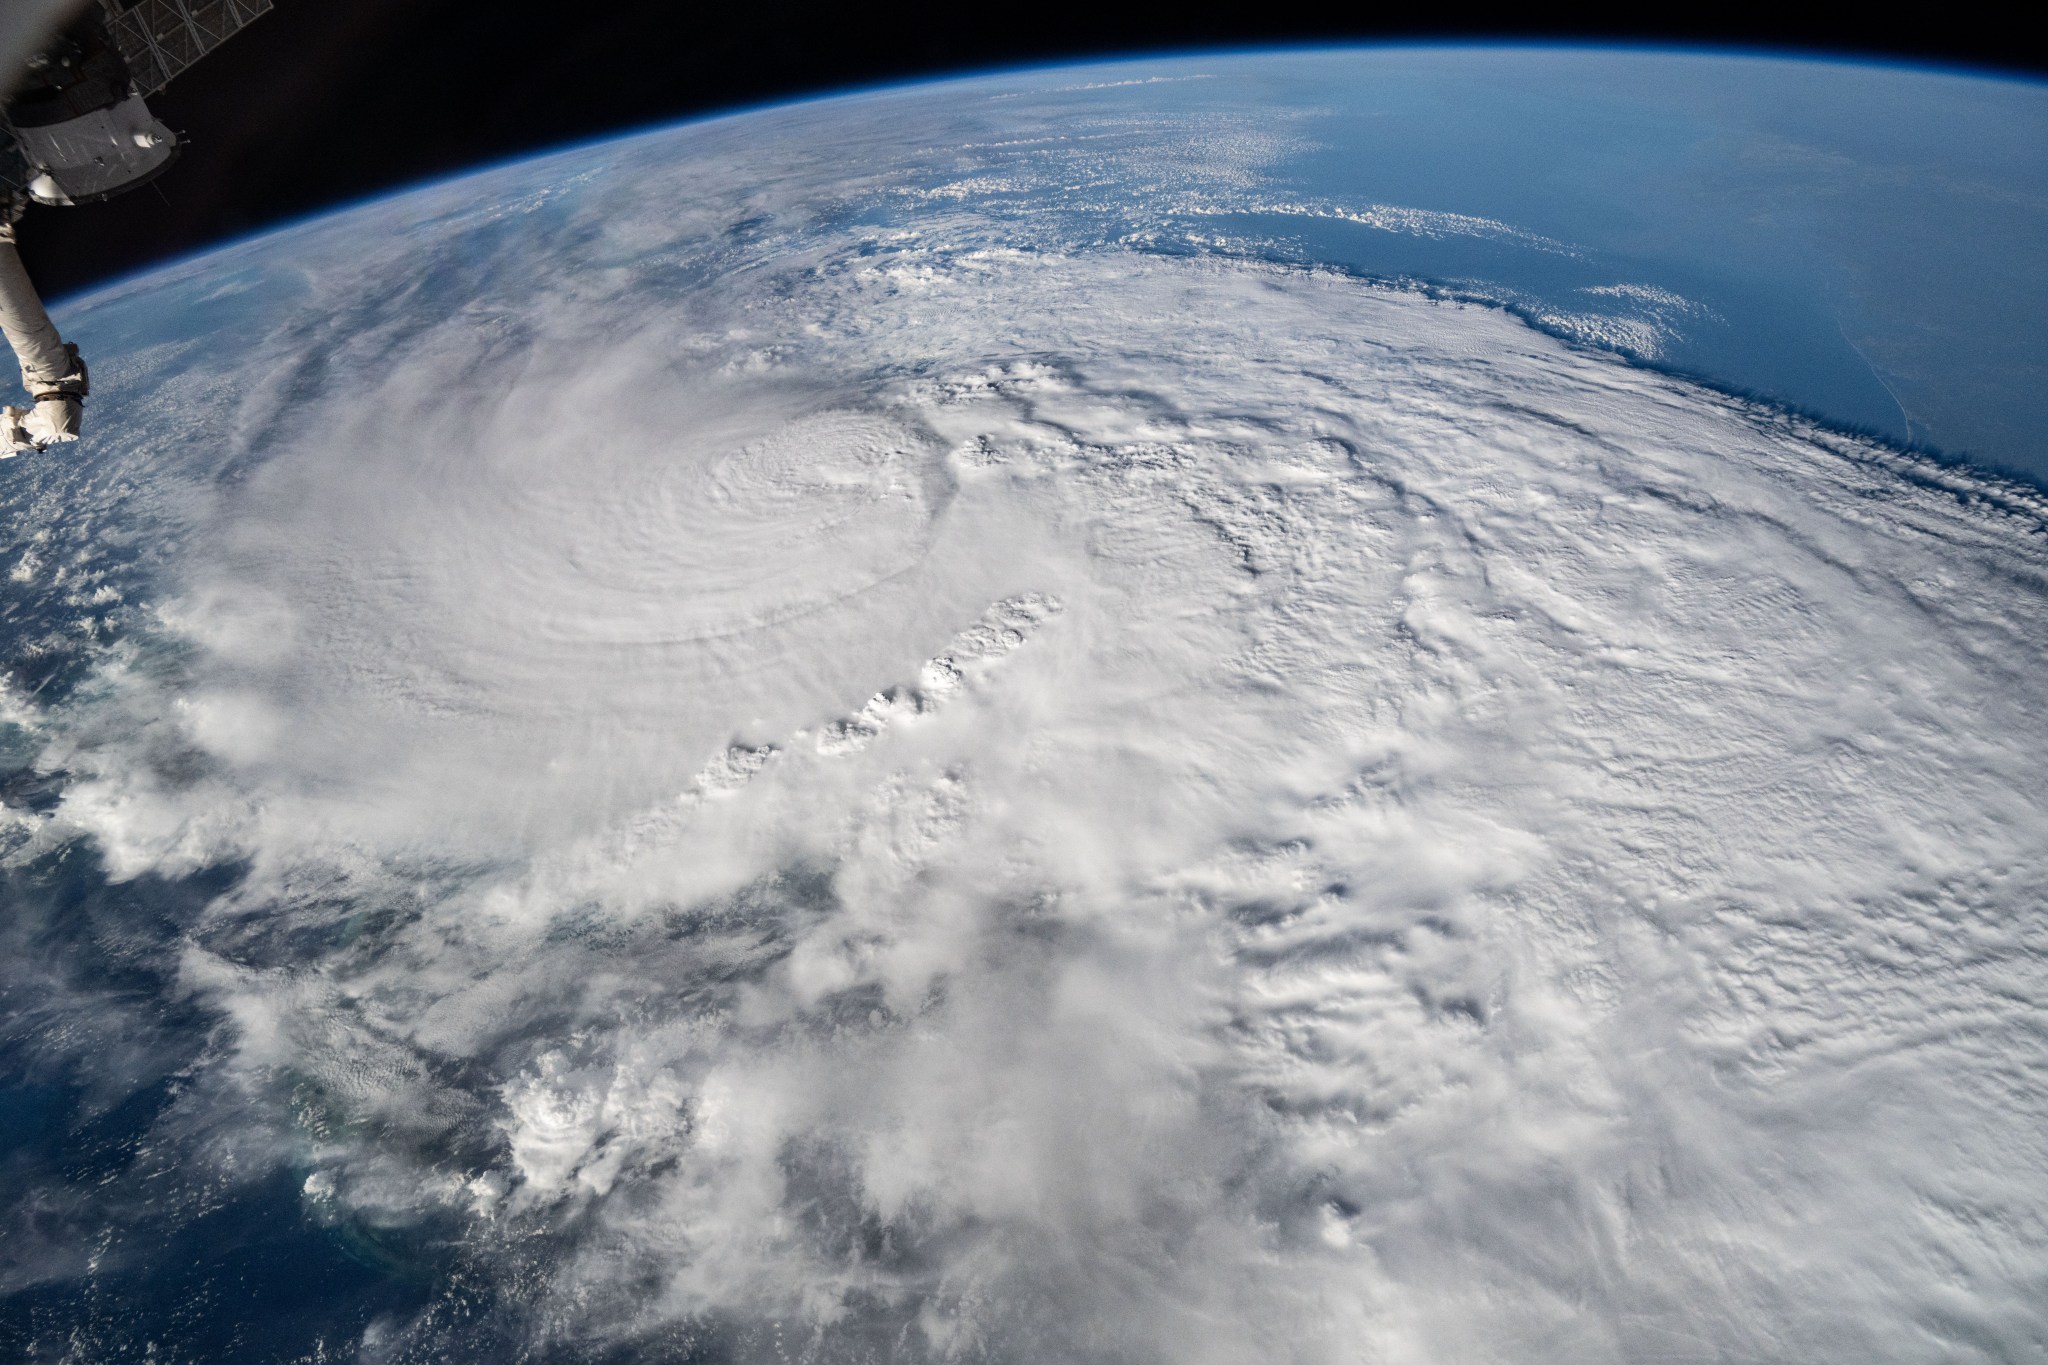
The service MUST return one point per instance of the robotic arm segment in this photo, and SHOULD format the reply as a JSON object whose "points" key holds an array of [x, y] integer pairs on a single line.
{"points": [[51, 369], [74, 129]]}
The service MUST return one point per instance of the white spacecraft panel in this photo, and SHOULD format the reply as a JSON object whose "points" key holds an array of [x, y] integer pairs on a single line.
{"points": [[160, 38], [96, 155]]}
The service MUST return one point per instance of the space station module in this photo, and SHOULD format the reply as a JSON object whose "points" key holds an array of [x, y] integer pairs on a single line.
{"points": [[77, 129]]}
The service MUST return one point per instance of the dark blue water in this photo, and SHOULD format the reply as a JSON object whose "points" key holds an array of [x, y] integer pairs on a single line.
{"points": [[1763, 337], [1869, 244]]}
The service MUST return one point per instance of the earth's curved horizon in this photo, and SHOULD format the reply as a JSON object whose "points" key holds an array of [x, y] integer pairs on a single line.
{"points": [[1307, 706], [1722, 366]]}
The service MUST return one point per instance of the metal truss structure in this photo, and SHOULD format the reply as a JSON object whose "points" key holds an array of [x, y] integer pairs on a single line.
{"points": [[160, 38]]}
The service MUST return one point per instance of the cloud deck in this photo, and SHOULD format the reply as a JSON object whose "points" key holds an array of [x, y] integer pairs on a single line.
{"points": [[1427, 843]]}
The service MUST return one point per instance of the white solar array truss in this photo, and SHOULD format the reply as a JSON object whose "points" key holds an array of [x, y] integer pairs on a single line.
{"points": [[160, 38]]}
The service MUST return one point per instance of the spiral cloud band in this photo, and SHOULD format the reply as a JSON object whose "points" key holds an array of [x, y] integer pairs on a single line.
{"points": [[961, 797]]}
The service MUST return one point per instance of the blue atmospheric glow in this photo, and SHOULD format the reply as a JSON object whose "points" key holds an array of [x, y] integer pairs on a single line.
{"points": [[1861, 240]]}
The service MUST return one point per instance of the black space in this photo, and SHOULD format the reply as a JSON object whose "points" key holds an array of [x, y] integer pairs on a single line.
{"points": [[324, 101]]}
